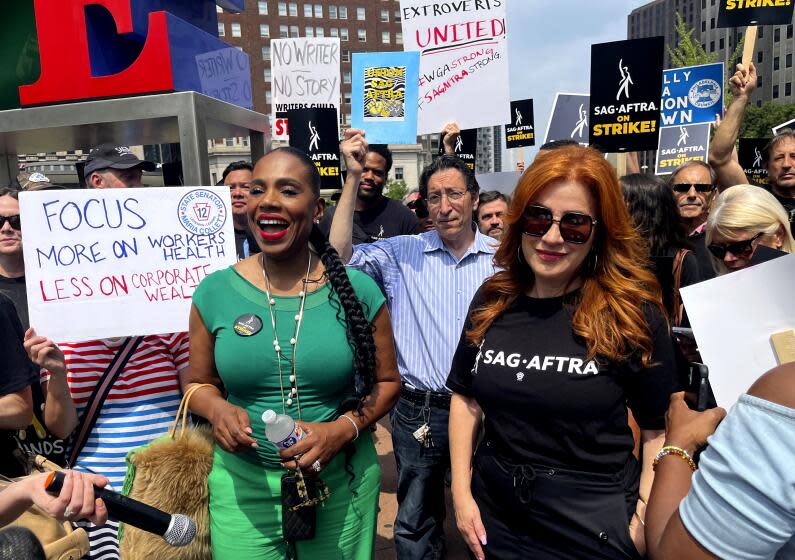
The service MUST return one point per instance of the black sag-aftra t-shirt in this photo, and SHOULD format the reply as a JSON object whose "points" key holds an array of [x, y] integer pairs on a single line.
{"points": [[388, 218], [545, 403]]}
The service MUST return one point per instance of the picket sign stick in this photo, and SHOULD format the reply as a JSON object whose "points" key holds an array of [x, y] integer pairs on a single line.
{"points": [[521, 155], [621, 164], [750, 44]]}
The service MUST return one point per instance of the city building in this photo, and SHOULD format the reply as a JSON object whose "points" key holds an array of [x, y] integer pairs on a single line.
{"points": [[659, 18], [773, 53]]}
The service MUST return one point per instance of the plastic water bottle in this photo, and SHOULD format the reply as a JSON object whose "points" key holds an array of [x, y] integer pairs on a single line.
{"points": [[281, 430]]}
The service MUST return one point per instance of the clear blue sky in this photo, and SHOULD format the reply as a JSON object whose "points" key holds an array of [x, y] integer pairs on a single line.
{"points": [[549, 45]]}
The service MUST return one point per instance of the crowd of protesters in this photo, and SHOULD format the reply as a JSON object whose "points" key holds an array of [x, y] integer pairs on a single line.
{"points": [[520, 344]]}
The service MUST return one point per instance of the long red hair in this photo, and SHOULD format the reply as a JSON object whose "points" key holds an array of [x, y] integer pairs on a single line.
{"points": [[609, 315]]}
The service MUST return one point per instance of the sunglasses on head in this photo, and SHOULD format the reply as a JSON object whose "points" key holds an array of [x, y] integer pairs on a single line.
{"points": [[682, 188], [575, 227], [740, 249], [14, 221]]}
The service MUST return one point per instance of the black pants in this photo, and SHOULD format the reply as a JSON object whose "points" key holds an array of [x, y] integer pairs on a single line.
{"points": [[539, 513]]}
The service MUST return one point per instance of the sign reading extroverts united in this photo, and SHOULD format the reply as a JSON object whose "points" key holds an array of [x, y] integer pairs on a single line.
{"points": [[626, 81], [463, 61]]}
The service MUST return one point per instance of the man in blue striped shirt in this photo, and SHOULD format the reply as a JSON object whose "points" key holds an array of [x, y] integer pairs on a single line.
{"points": [[429, 280]]}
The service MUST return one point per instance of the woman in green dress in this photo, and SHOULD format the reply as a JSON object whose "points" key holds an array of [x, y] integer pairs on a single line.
{"points": [[291, 330]]}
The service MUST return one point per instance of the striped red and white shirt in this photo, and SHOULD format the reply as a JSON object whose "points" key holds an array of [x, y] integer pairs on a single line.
{"points": [[139, 408]]}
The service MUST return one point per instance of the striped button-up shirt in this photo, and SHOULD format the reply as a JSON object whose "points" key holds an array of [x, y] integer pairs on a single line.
{"points": [[428, 292]]}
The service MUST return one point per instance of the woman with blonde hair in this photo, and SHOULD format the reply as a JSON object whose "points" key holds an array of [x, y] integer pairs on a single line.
{"points": [[744, 218], [555, 347]]}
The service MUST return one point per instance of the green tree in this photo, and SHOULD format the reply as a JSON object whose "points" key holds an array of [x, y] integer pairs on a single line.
{"points": [[759, 121], [396, 189], [689, 52]]}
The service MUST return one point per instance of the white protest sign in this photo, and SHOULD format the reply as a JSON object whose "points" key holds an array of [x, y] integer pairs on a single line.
{"points": [[733, 317], [121, 262], [782, 126], [305, 74], [463, 62]]}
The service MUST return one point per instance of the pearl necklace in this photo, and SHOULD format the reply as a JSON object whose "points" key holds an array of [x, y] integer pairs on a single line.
{"points": [[293, 379]]}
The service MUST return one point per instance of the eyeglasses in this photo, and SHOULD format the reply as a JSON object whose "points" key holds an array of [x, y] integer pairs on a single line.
{"points": [[453, 196], [14, 221], [574, 226], [740, 249], [682, 188]]}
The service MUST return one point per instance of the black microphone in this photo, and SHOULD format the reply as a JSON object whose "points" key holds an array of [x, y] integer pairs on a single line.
{"points": [[19, 543], [176, 530]]}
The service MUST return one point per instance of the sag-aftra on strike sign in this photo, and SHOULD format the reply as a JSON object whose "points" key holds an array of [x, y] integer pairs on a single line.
{"points": [[739, 13]]}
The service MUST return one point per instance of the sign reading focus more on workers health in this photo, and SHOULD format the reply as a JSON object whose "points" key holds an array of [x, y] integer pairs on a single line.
{"points": [[739, 13], [316, 132], [384, 95], [521, 131], [692, 95], [680, 144], [463, 49], [569, 118], [626, 81], [305, 73], [751, 155], [121, 262]]}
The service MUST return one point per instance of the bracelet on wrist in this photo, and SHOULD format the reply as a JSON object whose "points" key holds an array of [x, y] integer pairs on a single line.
{"points": [[678, 451], [353, 423]]}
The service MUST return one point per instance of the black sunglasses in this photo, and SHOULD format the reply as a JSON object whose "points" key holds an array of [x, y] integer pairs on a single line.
{"points": [[574, 226], [14, 221], [740, 249], [682, 188]]}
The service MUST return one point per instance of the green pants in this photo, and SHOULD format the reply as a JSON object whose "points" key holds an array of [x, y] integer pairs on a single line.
{"points": [[246, 513]]}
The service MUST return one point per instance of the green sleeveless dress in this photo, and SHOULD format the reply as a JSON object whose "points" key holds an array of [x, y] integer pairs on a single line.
{"points": [[245, 503]]}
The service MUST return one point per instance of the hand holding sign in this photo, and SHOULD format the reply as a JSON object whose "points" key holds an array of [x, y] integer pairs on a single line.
{"points": [[743, 83], [44, 353], [354, 149], [450, 134]]}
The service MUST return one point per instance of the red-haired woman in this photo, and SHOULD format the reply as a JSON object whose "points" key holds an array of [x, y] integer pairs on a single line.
{"points": [[555, 347]]}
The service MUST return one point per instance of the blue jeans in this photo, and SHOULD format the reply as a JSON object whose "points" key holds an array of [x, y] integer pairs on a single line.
{"points": [[419, 527]]}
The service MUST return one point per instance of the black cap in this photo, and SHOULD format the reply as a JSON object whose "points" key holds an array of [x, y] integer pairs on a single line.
{"points": [[111, 156]]}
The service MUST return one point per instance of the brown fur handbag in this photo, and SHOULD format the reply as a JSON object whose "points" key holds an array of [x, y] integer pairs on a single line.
{"points": [[170, 474]]}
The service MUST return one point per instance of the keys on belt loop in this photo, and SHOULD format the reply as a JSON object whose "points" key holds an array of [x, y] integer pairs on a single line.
{"points": [[523, 481]]}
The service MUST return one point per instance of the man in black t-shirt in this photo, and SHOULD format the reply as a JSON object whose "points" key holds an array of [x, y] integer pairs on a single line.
{"points": [[376, 216], [12, 265], [779, 153], [237, 176], [16, 376]]}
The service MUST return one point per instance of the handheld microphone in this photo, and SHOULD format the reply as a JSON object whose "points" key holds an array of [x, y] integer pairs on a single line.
{"points": [[176, 530]]}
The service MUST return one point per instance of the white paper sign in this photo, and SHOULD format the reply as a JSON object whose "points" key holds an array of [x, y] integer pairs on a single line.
{"points": [[305, 74], [733, 317], [463, 62], [121, 262]]}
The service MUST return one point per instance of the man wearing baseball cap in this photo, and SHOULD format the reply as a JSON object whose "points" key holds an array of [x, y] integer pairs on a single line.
{"points": [[109, 166]]}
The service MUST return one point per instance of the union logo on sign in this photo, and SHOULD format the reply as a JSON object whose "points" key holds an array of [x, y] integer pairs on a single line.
{"points": [[202, 212], [704, 93]]}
